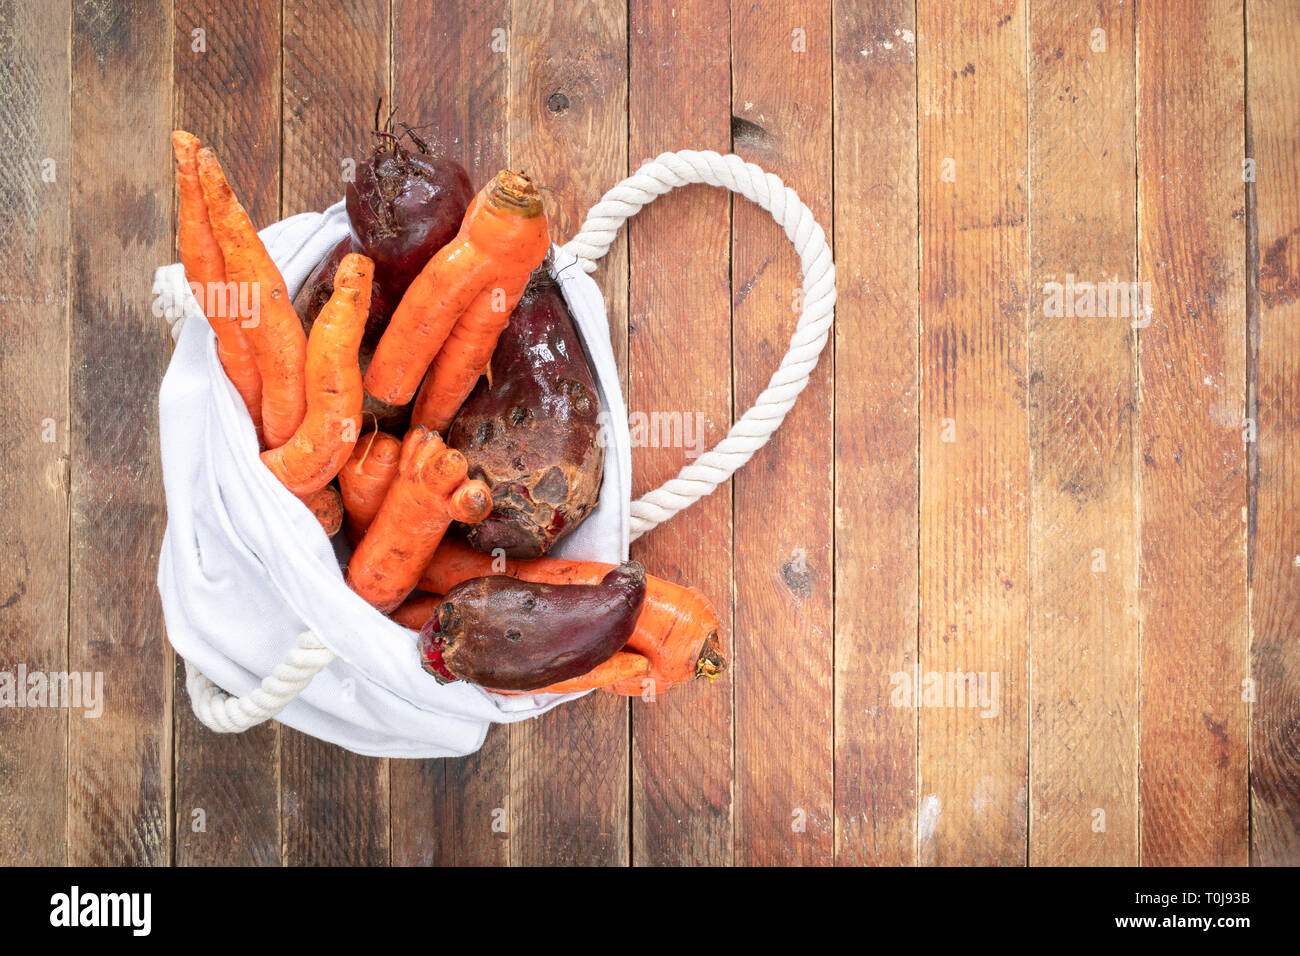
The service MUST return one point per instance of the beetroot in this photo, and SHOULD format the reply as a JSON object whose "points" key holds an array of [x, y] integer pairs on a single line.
{"points": [[403, 207], [533, 433], [506, 634]]}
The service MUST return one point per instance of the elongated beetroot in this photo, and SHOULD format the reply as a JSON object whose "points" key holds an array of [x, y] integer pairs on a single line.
{"points": [[506, 634], [531, 433]]}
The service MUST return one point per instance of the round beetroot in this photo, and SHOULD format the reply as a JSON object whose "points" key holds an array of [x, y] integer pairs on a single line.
{"points": [[404, 206]]}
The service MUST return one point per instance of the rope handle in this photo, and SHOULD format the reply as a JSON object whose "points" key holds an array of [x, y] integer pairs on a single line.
{"points": [[223, 713], [660, 175]]}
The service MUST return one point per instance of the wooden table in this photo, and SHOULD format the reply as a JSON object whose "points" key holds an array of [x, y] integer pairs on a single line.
{"points": [[1096, 515]]}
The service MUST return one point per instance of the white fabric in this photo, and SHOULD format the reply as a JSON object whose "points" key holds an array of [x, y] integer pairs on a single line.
{"points": [[245, 569], [755, 427]]}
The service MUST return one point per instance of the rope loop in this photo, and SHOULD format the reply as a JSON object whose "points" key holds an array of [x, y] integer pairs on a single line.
{"points": [[752, 430]]}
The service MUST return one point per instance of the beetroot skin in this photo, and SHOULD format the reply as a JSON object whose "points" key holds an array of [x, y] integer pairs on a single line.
{"points": [[506, 634]]}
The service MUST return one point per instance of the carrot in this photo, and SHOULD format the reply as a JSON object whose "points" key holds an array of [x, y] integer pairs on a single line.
{"points": [[327, 505], [502, 238], [322, 443], [465, 356], [273, 330], [364, 481], [623, 666], [415, 612], [424, 497], [677, 629], [205, 267]]}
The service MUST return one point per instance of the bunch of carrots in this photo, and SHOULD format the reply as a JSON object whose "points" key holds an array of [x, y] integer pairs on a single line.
{"points": [[396, 498]]}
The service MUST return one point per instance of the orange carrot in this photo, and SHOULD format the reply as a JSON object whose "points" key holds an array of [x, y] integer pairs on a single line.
{"points": [[502, 238], [327, 505], [273, 331], [322, 443], [415, 612], [414, 516], [465, 356], [205, 268], [364, 481], [677, 629], [623, 666]]}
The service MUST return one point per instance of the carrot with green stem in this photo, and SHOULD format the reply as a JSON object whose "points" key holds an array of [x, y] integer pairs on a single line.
{"points": [[205, 268], [430, 490], [273, 329], [321, 445], [364, 481], [677, 629], [502, 238]]}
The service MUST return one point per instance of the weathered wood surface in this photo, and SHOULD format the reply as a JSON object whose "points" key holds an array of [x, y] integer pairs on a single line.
{"points": [[1096, 511]]}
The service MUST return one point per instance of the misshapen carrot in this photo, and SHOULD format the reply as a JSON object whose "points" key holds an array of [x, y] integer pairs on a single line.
{"points": [[501, 240], [423, 499], [274, 332], [205, 268], [677, 629], [465, 355], [364, 481], [322, 443]]}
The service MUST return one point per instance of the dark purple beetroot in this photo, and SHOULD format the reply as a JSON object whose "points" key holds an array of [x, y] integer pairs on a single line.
{"points": [[403, 206], [532, 434], [506, 634]]}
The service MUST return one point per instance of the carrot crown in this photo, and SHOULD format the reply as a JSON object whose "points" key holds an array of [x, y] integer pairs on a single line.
{"points": [[517, 191]]}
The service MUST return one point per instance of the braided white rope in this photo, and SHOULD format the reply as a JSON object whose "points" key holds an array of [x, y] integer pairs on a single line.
{"points": [[225, 714], [756, 426]]}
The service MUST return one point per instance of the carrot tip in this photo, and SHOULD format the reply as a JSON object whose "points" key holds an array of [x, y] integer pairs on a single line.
{"points": [[710, 663]]}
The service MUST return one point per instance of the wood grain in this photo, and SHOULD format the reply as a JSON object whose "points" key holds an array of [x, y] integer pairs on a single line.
{"points": [[450, 78], [119, 765], [227, 796], [876, 475], [1082, 419], [34, 134], [974, 499], [567, 125], [679, 359], [1191, 236], [1273, 98], [334, 803], [783, 499]]}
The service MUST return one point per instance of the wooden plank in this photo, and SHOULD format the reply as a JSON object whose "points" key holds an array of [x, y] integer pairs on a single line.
{"points": [[450, 75], [567, 125], [227, 797], [34, 133], [1082, 417], [119, 765], [876, 475], [782, 514], [679, 361], [974, 507], [1273, 103], [1191, 237], [334, 808]]}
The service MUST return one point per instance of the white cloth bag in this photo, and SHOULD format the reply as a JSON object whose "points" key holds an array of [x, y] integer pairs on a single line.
{"points": [[252, 587]]}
